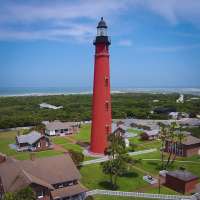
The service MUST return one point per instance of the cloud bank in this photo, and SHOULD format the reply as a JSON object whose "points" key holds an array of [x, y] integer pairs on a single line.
{"points": [[61, 20]]}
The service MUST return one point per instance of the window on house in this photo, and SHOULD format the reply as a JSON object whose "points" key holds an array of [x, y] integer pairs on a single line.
{"points": [[39, 144], [40, 194]]}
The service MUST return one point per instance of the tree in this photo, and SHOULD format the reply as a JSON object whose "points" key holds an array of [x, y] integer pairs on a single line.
{"points": [[173, 135], [89, 198], [118, 158], [163, 136], [23, 194], [9, 196], [77, 157]]}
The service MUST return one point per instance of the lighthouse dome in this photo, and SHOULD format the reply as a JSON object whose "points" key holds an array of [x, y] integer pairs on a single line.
{"points": [[102, 24]]}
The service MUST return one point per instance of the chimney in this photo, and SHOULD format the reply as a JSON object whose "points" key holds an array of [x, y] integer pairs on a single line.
{"points": [[32, 156], [2, 158], [42, 131]]}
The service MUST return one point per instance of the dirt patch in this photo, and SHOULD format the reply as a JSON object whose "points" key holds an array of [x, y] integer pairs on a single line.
{"points": [[58, 147]]}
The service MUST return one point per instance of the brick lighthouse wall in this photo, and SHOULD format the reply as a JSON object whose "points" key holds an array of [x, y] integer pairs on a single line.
{"points": [[101, 110]]}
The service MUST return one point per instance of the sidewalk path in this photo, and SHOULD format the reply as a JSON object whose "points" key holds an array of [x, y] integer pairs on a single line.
{"points": [[105, 158]]}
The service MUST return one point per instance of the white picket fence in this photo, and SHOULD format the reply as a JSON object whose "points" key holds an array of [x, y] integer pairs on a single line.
{"points": [[140, 195]]}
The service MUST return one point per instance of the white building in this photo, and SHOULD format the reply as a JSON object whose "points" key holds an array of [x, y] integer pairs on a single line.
{"points": [[61, 128], [49, 106], [180, 99]]}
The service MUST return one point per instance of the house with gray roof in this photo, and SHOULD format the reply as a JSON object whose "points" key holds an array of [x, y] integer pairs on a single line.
{"points": [[150, 135], [61, 128], [33, 141]]}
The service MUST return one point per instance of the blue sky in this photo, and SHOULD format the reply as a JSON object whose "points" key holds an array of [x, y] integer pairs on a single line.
{"points": [[46, 43]]}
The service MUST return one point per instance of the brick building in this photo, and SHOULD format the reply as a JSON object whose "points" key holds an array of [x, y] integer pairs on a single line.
{"points": [[181, 181], [190, 146]]}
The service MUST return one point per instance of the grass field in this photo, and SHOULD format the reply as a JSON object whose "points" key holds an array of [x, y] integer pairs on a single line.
{"points": [[66, 144], [84, 134], [97, 179], [131, 182], [152, 166]]}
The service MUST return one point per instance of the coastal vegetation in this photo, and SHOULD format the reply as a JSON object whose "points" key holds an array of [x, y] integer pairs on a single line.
{"points": [[25, 110]]}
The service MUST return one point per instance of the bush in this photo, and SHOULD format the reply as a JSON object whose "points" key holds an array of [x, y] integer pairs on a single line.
{"points": [[89, 198], [77, 157]]}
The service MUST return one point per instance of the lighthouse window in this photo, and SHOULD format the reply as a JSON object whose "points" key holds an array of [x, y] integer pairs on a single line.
{"points": [[106, 81], [107, 105], [107, 129], [101, 31]]}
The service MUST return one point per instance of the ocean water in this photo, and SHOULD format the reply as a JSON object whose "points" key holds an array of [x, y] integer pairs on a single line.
{"points": [[39, 91]]}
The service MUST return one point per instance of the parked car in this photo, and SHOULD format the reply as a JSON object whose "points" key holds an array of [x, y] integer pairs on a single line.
{"points": [[150, 179]]}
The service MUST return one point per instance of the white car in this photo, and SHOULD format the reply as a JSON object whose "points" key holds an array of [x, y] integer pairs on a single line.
{"points": [[150, 179]]}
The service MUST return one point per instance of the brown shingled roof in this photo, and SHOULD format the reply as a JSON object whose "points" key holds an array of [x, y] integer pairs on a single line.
{"points": [[183, 175], [68, 191], [189, 140], [43, 171]]}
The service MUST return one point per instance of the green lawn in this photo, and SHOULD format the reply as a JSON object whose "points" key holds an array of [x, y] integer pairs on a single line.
{"points": [[97, 179], [66, 144], [163, 190], [141, 144], [134, 130], [153, 166], [84, 133]]}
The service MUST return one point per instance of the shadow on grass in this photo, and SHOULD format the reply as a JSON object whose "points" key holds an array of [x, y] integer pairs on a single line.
{"points": [[130, 175], [107, 185], [156, 165]]}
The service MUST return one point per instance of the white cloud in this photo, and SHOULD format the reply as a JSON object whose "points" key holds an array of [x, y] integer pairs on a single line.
{"points": [[175, 10], [126, 43], [77, 19], [170, 49]]}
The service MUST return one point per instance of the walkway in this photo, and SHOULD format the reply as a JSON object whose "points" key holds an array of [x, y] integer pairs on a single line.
{"points": [[105, 158], [58, 147]]}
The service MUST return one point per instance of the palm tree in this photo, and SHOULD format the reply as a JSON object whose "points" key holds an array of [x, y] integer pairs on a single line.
{"points": [[163, 136], [180, 137], [172, 140]]}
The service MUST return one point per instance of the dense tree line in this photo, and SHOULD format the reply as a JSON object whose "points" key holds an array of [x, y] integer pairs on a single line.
{"points": [[25, 111]]}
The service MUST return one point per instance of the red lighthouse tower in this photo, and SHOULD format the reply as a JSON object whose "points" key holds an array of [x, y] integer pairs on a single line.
{"points": [[101, 110]]}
